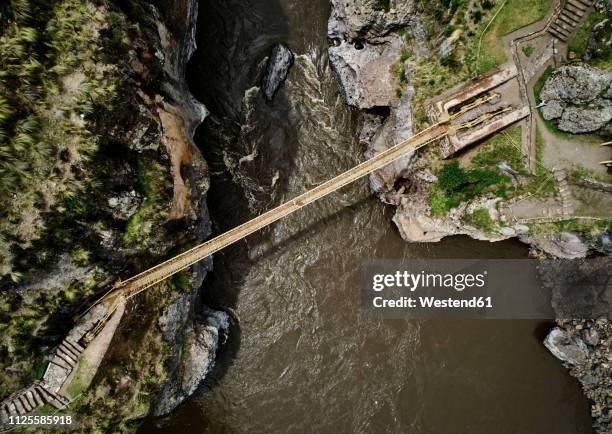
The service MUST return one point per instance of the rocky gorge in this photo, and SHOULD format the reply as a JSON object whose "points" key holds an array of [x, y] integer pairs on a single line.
{"points": [[155, 182]]}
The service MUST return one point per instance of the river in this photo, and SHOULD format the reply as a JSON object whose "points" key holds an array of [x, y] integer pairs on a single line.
{"points": [[302, 359]]}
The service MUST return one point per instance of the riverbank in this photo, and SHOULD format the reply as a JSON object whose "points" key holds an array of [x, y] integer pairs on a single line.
{"points": [[389, 69], [124, 187]]}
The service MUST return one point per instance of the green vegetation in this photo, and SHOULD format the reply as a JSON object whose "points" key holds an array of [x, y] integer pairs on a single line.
{"points": [[581, 172], [81, 379], [602, 56], [513, 15], [461, 185], [53, 77], [142, 373], [152, 213], [25, 318], [479, 42], [528, 50], [539, 85], [480, 218], [572, 225], [457, 184], [181, 281], [578, 225]]}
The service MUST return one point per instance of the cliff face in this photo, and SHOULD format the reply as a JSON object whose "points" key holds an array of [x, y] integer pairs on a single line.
{"points": [[140, 197]]}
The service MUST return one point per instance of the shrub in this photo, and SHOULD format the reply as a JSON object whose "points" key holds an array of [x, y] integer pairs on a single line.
{"points": [[461, 185], [528, 50]]}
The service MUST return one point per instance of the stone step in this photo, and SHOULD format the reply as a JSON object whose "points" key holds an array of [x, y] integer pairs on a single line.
{"points": [[557, 35], [560, 31], [587, 3], [568, 20], [12, 408], [574, 17], [575, 10], [36, 394], [77, 347], [576, 4], [18, 406], [4, 414], [69, 350], [70, 360], [563, 27], [26, 403], [61, 363], [55, 399], [30, 397]]}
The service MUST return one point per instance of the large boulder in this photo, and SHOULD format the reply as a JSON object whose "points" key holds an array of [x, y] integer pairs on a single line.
{"points": [[565, 245], [279, 63], [579, 97], [566, 347]]}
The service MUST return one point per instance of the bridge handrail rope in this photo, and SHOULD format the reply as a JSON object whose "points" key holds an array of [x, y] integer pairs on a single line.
{"points": [[184, 260]]}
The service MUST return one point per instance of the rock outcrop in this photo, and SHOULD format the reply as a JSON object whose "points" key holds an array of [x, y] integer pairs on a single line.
{"points": [[369, 19], [279, 63], [149, 199], [366, 71], [579, 98], [566, 347], [584, 347], [396, 128], [566, 245], [365, 52], [200, 341]]}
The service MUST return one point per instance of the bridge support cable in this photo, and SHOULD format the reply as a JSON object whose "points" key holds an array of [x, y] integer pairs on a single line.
{"points": [[160, 272]]}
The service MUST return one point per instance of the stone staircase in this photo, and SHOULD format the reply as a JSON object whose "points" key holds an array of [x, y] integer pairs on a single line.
{"points": [[567, 203], [45, 391], [67, 354], [27, 400], [569, 19]]}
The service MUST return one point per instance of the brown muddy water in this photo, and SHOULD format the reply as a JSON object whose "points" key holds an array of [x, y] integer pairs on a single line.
{"points": [[302, 359]]}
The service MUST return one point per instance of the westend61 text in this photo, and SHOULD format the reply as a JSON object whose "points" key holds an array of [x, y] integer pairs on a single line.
{"points": [[433, 302]]}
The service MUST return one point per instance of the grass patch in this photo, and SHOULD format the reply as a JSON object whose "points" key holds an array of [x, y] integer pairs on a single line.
{"points": [[593, 227], [432, 76], [181, 281], [502, 147], [539, 84], [514, 15], [480, 218], [456, 185], [577, 225], [81, 379]]}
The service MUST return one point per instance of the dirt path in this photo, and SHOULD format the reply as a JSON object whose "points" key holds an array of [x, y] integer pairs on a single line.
{"points": [[568, 152]]}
